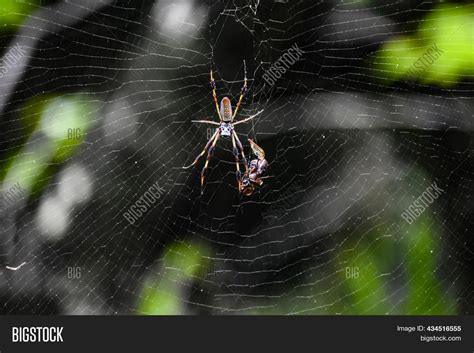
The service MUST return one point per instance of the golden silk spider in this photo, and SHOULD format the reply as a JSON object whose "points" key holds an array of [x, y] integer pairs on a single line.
{"points": [[225, 129]]}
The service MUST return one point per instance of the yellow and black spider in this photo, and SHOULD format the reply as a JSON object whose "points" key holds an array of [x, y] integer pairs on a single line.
{"points": [[225, 129]]}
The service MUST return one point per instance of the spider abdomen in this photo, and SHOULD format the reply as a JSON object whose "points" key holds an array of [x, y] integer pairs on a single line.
{"points": [[226, 110]]}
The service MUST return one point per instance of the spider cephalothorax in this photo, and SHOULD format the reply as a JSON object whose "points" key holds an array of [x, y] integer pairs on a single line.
{"points": [[225, 128]]}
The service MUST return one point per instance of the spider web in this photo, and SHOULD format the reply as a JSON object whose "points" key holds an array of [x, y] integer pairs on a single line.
{"points": [[348, 155]]}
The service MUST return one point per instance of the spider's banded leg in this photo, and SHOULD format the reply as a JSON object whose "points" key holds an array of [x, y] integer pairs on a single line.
{"points": [[209, 155], [203, 151], [234, 134], [249, 118], [213, 85], [242, 92], [206, 122], [237, 162]]}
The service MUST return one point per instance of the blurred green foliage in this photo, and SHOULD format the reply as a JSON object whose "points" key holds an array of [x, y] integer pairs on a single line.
{"points": [[13, 12], [416, 246], [48, 121], [425, 293], [371, 274], [367, 279], [65, 120], [364, 288], [166, 293], [450, 27]]}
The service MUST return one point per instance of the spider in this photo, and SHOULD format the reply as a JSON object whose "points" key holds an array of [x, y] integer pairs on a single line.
{"points": [[225, 129]]}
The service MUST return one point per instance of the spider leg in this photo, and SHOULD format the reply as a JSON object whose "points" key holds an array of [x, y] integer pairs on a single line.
{"points": [[234, 134], [203, 151], [237, 162], [209, 155], [242, 92], [206, 122], [247, 119], [213, 85]]}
